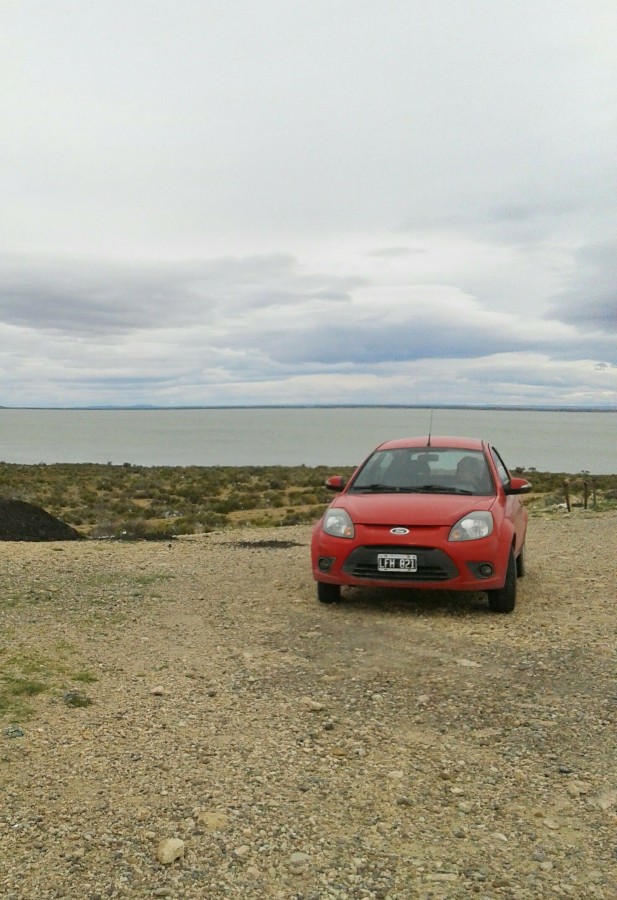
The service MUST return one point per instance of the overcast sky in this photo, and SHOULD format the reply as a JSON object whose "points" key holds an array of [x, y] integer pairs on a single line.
{"points": [[308, 201]]}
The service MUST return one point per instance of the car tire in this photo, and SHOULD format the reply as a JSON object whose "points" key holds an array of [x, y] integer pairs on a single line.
{"points": [[520, 563], [328, 593], [503, 600]]}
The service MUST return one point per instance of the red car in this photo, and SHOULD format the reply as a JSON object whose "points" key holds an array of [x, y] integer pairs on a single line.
{"points": [[430, 513]]}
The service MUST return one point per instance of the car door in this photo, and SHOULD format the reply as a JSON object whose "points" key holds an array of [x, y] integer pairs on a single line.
{"points": [[515, 511]]}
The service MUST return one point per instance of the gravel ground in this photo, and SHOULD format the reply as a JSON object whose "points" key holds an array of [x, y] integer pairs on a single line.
{"points": [[243, 741]]}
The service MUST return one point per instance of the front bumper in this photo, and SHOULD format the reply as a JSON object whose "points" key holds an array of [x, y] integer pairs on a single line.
{"points": [[433, 564], [445, 565]]}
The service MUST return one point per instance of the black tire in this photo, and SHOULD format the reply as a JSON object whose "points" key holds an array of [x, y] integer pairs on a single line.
{"points": [[503, 600], [520, 563], [328, 593]]}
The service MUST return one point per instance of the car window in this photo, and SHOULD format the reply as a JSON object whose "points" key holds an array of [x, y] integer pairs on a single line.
{"points": [[439, 470], [504, 475], [375, 468]]}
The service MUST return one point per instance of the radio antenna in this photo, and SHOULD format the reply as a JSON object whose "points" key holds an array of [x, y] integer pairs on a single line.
{"points": [[430, 429]]}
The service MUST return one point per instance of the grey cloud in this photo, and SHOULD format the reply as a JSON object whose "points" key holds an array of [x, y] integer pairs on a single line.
{"points": [[77, 298], [374, 342], [96, 299], [589, 313], [248, 318], [415, 337], [590, 308], [590, 303]]}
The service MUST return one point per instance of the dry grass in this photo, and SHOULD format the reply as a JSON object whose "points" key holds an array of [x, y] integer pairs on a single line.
{"points": [[163, 501]]}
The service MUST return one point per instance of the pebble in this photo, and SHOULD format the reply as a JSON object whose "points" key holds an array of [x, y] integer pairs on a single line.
{"points": [[577, 788], [298, 862], [210, 819], [169, 850], [76, 699], [13, 731], [606, 800], [312, 705]]}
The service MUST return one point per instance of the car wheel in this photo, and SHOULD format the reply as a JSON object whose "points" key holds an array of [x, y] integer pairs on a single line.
{"points": [[503, 599], [328, 593], [520, 563]]}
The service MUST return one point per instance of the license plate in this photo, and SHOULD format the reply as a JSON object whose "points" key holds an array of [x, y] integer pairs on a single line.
{"points": [[397, 562]]}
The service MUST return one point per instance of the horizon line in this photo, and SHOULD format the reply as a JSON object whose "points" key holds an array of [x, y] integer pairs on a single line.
{"points": [[146, 407]]}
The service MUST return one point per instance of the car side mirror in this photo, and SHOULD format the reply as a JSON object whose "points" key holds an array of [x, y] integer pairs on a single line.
{"points": [[335, 483], [518, 486]]}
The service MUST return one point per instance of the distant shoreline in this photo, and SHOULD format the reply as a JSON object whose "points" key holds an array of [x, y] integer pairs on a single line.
{"points": [[483, 407]]}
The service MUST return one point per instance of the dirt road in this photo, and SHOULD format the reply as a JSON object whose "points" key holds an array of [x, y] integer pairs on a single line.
{"points": [[398, 745]]}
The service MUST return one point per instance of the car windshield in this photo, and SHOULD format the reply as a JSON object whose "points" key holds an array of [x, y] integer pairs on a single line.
{"points": [[441, 470]]}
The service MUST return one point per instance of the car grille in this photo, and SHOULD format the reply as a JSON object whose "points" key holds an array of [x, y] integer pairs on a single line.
{"points": [[433, 564]]}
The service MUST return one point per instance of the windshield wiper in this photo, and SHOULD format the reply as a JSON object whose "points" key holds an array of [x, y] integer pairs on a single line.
{"points": [[383, 489], [421, 489], [444, 489]]}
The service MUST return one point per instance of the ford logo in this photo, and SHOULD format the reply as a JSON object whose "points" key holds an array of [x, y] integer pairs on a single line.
{"points": [[399, 531]]}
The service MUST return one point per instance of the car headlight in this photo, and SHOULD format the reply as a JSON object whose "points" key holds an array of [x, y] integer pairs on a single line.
{"points": [[472, 526], [337, 522]]}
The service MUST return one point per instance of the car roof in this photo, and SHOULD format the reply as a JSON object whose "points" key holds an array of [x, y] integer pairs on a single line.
{"points": [[434, 441]]}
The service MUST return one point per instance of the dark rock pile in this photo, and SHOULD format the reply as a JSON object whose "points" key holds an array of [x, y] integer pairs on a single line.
{"points": [[21, 521]]}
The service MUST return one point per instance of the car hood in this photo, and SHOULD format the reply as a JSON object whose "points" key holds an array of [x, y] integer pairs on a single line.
{"points": [[410, 509]]}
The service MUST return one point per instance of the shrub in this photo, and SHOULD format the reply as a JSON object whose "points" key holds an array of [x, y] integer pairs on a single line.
{"points": [[103, 499]]}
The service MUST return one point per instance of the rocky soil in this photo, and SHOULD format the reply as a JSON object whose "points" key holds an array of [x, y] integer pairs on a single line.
{"points": [[208, 730]]}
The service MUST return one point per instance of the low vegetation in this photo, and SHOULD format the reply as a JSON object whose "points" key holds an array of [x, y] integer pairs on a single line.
{"points": [[104, 501], [25, 674], [112, 501]]}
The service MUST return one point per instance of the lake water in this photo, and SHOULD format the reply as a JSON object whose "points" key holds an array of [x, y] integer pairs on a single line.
{"points": [[546, 440]]}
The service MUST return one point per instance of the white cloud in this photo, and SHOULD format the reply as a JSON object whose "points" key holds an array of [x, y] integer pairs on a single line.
{"points": [[274, 202]]}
